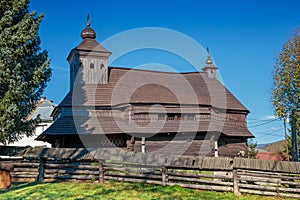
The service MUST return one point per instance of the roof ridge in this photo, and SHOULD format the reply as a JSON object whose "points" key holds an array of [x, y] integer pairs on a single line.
{"points": [[155, 71]]}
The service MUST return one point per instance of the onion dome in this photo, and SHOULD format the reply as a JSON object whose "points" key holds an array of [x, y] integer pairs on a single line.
{"points": [[209, 60], [210, 68], [88, 32]]}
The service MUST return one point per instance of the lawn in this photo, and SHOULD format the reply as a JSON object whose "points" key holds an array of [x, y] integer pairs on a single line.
{"points": [[113, 190]]}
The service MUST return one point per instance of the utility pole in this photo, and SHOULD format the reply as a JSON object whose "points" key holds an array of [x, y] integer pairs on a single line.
{"points": [[295, 150]]}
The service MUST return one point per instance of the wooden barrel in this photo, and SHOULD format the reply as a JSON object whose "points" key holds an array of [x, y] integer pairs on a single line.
{"points": [[5, 178]]}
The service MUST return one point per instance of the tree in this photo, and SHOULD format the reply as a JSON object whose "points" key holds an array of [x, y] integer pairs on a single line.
{"points": [[24, 69], [252, 152], [286, 83]]}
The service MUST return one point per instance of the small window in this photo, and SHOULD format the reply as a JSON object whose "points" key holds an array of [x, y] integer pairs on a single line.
{"points": [[161, 117], [102, 66], [173, 116], [92, 66]]}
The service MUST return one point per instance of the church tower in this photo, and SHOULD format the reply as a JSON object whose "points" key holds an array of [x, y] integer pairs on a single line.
{"points": [[210, 69], [89, 60]]}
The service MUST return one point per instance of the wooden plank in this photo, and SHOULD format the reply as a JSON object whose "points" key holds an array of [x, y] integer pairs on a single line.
{"points": [[259, 179], [25, 176], [89, 167], [203, 187], [101, 172], [269, 175], [35, 173], [267, 180], [70, 171], [132, 170], [266, 193], [212, 182], [137, 176], [77, 177], [131, 165], [235, 182], [25, 164], [270, 188], [6, 166], [184, 174], [132, 180], [41, 170], [267, 165], [25, 169], [164, 172]]}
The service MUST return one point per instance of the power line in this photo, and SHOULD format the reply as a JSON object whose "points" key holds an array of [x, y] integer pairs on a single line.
{"points": [[275, 134], [268, 133], [257, 125]]}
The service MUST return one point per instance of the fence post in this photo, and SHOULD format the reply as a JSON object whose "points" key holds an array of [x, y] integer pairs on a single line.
{"points": [[164, 171], [41, 170], [235, 182], [101, 172]]}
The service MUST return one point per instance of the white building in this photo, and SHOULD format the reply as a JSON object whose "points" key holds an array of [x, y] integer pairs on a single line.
{"points": [[43, 109]]}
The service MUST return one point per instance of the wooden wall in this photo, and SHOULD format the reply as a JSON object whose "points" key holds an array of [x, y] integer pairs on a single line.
{"points": [[231, 146], [201, 145]]}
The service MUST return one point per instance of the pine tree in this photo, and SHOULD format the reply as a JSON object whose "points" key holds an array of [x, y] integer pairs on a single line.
{"points": [[24, 69], [252, 152]]}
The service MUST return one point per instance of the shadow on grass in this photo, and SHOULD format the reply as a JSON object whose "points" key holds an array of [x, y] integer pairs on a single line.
{"points": [[17, 186], [21, 185], [108, 190]]}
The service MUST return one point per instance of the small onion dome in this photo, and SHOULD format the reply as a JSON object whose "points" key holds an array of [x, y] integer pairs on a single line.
{"points": [[209, 60], [88, 32]]}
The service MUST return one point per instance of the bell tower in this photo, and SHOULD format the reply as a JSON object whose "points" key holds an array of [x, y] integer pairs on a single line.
{"points": [[89, 60], [210, 69]]}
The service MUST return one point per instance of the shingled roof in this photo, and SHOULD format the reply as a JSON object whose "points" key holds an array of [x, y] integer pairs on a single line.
{"points": [[109, 125], [141, 86]]}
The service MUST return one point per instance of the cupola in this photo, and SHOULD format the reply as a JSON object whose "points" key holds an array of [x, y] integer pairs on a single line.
{"points": [[210, 69], [89, 60]]}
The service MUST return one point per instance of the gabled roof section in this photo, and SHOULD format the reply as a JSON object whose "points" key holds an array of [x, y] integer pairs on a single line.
{"points": [[152, 87], [89, 45], [43, 109]]}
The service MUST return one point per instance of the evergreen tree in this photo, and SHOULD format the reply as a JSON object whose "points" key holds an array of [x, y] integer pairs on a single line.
{"points": [[24, 69], [252, 152], [286, 81]]}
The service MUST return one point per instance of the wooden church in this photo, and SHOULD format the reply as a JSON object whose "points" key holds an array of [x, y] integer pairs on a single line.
{"points": [[145, 111]]}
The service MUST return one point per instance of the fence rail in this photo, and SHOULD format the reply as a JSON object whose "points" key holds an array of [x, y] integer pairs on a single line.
{"points": [[238, 175]]}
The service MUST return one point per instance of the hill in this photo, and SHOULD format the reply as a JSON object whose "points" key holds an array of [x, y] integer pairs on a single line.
{"points": [[275, 146]]}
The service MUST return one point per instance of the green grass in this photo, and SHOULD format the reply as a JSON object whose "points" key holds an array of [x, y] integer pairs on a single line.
{"points": [[113, 190]]}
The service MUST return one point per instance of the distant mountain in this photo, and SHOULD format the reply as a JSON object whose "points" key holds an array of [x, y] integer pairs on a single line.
{"points": [[274, 147], [259, 146]]}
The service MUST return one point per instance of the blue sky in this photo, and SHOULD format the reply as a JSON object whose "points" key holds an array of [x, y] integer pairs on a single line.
{"points": [[244, 38]]}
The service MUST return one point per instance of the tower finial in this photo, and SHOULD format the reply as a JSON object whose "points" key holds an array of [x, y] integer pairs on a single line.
{"points": [[88, 22], [208, 60], [88, 32]]}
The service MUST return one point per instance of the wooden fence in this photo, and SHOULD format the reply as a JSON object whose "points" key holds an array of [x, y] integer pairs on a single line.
{"points": [[238, 175]]}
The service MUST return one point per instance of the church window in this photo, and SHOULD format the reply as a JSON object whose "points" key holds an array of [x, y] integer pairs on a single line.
{"points": [[161, 116], [92, 66], [190, 116]]}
